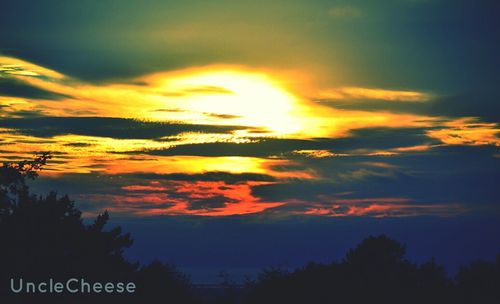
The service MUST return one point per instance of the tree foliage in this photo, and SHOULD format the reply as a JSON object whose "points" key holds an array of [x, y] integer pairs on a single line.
{"points": [[45, 237], [376, 271]]}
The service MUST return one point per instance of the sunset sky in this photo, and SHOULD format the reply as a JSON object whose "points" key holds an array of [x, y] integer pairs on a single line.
{"points": [[243, 124]]}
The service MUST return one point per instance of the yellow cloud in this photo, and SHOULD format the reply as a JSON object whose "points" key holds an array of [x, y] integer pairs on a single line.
{"points": [[217, 95], [374, 93], [18, 67]]}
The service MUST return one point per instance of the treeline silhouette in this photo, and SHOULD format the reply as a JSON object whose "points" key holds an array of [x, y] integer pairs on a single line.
{"points": [[376, 271], [45, 237]]}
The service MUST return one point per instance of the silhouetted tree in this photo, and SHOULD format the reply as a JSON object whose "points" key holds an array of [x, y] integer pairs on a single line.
{"points": [[13, 186], [45, 237], [375, 271], [158, 282], [479, 282], [433, 283], [272, 286]]}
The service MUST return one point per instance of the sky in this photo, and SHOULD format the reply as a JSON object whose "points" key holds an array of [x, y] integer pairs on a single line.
{"points": [[244, 134]]}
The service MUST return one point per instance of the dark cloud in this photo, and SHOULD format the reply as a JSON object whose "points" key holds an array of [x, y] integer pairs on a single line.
{"points": [[229, 178], [106, 127], [437, 45], [448, 175], [263, 148], [483, 104], [443, 175], [218, 201], [6, 111], [75, 184], [383, 138], [215, 115], [16, 88], [79, 183], [145, 205], [222, 116], [78, 144], [377, 105], [375, 138]]}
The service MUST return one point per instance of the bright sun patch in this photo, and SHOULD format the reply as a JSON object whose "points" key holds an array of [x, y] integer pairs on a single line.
{"points": [[231, 97]]}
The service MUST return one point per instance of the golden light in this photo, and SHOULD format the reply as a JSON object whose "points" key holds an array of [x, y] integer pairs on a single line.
{"points": [[233, 97], [272, 103], [256, 103]]}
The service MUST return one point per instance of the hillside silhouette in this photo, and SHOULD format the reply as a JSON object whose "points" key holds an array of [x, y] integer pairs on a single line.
{"points": [[45, 237]]}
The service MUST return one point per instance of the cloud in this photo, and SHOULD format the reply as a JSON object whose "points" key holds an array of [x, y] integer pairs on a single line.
{"points": [[203, 198], [388, 210], [443, 181], [263, 148], [334, 161], [17, 68], [6, 111], [213, 95], [467, 131], [193, 90], [482, 104], [356, 93], [210, 203], [359, 141], [229, 178], [16, 88], [104, 127], [316, 153], [446, 175]]}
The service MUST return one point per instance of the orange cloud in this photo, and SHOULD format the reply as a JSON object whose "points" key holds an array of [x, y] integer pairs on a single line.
{"points": [[418, 148], [384, 207], [144, 188], [467, 131], [204, 198], [396, 210]]}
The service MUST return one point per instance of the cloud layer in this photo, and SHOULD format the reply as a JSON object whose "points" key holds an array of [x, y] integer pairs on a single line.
{"points": [[309, 108]]}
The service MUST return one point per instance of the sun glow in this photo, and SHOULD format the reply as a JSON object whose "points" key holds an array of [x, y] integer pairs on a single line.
{"points": [[229, 96], [261, 102]]}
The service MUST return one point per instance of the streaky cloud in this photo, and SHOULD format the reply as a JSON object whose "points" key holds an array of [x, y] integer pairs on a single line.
{"points": [[16, 88], [105, 127], [357, 93]]}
